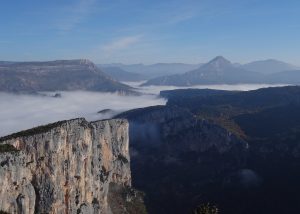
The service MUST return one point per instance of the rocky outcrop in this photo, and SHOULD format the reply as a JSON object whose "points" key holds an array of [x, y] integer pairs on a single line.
{"points": [[177, 158], [237, 150], [179, 130], [65, 167]]}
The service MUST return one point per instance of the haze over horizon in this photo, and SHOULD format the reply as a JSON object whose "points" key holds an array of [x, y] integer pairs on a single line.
{"points": [[147, 32]]}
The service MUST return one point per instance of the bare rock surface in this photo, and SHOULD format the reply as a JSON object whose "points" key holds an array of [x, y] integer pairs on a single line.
{"points": [[65, 167]]}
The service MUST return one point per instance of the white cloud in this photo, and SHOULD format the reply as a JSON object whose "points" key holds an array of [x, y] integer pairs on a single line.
{"points": [[155, 90], [20, 112], [180, 18], [122, 43]]}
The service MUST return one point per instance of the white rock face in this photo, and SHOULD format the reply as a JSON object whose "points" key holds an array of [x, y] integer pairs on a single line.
{"points": [[65, 167]]}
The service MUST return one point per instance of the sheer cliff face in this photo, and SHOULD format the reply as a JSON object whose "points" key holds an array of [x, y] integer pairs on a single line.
{"points": [[67, 167]]}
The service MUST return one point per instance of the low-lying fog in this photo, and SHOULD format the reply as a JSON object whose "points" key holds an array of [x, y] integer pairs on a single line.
{"points": [[19, 112], [236, 87]]}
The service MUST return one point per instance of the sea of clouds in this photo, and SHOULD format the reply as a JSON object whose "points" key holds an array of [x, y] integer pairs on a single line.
{"points": [[20, 112], [236, 87]]}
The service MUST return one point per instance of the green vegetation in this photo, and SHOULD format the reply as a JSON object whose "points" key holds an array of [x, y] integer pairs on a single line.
{"points": [[126, 200], [227, 123], [247, 176], [33, 131], [222, 108], [206, 209], [123, 159], [136, 205], [7, 148]]}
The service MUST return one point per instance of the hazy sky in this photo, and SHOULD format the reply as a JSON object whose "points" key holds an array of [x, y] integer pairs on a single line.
{"points": [[149, 31]]}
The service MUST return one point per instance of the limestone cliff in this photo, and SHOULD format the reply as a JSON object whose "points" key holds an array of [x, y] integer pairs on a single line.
{"points": [[66, 167]]}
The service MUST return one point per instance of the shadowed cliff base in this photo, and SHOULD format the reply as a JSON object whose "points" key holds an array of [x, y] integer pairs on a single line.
{"points": [[237, 150]]}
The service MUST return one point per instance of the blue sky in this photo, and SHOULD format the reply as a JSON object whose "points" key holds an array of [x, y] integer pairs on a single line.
{"points": [[150, 31]]}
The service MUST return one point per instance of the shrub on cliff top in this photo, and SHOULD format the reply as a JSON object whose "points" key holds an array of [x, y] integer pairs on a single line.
{"points": [[7, 148], [206, 209]]}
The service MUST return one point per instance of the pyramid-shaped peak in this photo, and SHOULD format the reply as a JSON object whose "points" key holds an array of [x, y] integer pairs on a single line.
{"points": [[218, 63], [219, 60]]}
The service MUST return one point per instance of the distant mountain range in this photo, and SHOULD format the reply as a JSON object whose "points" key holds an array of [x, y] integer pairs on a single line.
{"points": [[85, 75], [154, 70], [288, 77], [137, 72], [269, 66], [222, 71], [121, 75], [217, 71], [6, 62], [55, 76]]}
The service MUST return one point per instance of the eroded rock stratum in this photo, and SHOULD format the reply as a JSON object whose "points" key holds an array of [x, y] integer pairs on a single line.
{"points": [[67, 167]]}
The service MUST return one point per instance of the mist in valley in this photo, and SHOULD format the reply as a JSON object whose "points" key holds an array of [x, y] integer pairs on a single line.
{"points": [[20, 112], [234, 87]]}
